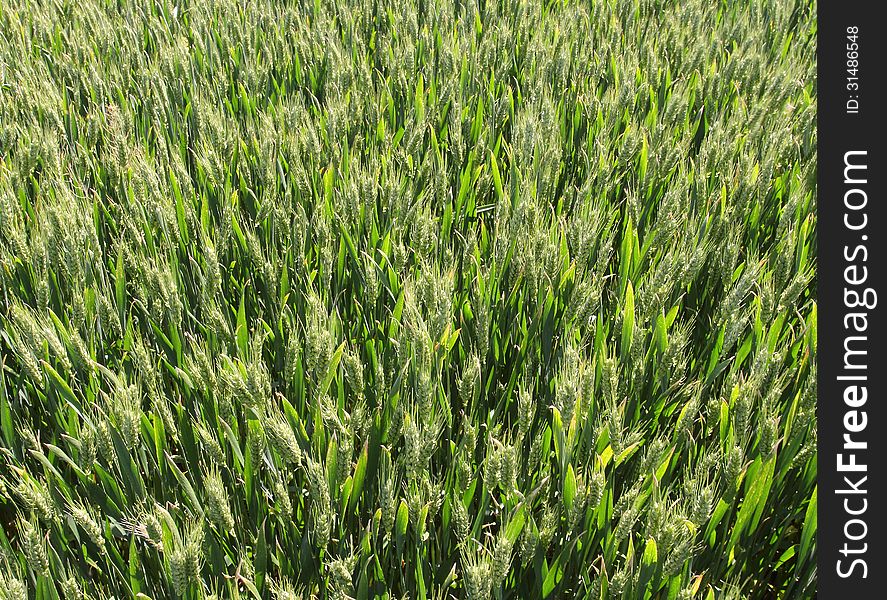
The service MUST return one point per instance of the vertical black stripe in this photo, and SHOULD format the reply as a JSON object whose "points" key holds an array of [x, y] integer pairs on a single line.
{"points": [[841, 131]]}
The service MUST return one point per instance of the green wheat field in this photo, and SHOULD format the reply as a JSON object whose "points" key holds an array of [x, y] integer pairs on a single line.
{"points": [[407, 299]]}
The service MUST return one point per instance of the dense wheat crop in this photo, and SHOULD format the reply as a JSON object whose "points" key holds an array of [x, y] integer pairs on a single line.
{"points": [[384, 299]]}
